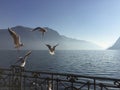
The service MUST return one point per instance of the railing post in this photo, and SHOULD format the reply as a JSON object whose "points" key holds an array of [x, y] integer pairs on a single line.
{"points": [[24, 81], [52, 83], [101, 86], [94, 84], [57, 81], [88, 85], [16, 78]]}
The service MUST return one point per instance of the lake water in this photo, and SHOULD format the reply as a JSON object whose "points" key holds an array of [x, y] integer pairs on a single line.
{"points": [[104, 63]]}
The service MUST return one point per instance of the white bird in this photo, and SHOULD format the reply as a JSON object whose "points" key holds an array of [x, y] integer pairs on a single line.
{"points": [[51, 49], [16, 38], [23, 59], [42, 30]]}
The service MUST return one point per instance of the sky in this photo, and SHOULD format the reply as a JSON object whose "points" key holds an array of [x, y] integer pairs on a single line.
{"points": [[97, 21]]}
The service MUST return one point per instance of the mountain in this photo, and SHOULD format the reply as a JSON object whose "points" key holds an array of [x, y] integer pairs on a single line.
{"points": [[33, 40], [116, 45]]}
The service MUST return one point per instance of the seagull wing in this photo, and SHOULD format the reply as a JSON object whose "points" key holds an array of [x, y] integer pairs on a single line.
{"points": [[14, 35], [55, 46], [49, 47], [27, 55], [19, 40], [36, 28], [19, 59]]}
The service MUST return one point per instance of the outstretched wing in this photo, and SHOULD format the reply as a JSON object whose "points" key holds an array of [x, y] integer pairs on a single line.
{"points": [[49, 47], [39, 28], [55, 46], [36, 28], [19, 59], [14, 35], [27, 55]]}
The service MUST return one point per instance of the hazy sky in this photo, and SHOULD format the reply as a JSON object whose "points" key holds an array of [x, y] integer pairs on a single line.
{"points": [[92, 20]]}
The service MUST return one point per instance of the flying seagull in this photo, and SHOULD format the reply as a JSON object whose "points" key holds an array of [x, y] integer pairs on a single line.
{"points": [[16, 38], [22, 60], [51, 49], [43, 30]]}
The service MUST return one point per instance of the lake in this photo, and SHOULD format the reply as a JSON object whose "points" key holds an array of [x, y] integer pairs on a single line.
{"points": [[104, 63]]}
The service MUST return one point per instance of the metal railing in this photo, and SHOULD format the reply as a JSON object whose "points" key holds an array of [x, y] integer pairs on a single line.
{"points": [[17, 78]]}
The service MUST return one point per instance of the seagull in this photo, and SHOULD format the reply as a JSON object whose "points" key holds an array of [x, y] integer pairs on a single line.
{"points": [[16, 38], [23, 59], [51, 49], [43, 30]]}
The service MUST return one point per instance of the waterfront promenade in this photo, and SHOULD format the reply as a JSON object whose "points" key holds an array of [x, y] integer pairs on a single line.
{"points": [[18, 78]]}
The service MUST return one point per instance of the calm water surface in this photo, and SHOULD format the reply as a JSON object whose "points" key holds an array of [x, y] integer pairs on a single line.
{"points": [[105, 63]]}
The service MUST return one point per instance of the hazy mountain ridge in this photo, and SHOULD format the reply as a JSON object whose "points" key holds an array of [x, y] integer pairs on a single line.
{"points": [[116, 45], [33, 40]]}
